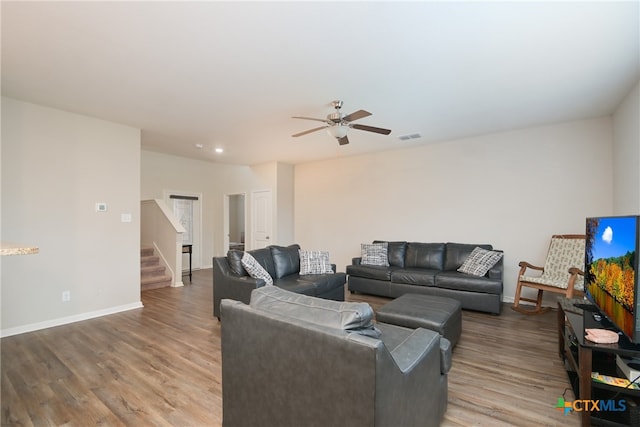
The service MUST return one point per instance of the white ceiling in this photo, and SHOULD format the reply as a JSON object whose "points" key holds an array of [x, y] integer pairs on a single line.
{"points": [[231, 74]]}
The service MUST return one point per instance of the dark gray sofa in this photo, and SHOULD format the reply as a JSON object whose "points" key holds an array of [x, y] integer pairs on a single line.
{"points": [[430, 268], [230, 279], [293, 360]]}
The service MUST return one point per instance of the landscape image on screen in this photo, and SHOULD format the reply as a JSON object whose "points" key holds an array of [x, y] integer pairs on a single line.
{"points": [[610, 257]]}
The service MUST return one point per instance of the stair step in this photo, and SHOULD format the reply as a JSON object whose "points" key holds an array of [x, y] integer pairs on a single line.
{"points": [[152, 273], [155, 282], [146, 251], [152, 270], [147, 261]]}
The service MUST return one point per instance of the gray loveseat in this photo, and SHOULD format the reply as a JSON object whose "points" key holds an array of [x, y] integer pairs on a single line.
{"points": [[293, 360], [231, 280], [430, 268]]}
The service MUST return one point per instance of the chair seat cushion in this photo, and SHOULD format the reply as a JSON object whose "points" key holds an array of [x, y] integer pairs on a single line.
{"points": [[556, 282]]}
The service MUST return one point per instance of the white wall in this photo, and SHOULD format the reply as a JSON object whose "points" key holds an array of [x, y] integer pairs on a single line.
{"points": [[55, 167], [213, 181], [513, 190], [626, 171]]}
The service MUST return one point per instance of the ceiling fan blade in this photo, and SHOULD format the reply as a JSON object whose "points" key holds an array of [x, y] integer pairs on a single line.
{"points": [[309, 131], [360, 114], [309, 118], [343, 141], [371, 129]]}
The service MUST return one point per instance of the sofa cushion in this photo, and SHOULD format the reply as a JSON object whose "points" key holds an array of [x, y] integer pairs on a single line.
{"points": [[264, 258], [286, 260], [296, 283], [425, 255], [315, 262], [234, 258], [254, 269], [457, 253], [480, 261], [325, 283], [370, 271], [466, 282], [374, 254], [395, 252], [415, 276], [348, 316]]}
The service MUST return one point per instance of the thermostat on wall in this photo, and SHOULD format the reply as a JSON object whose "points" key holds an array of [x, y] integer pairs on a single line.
{"points": [[101, 207]]}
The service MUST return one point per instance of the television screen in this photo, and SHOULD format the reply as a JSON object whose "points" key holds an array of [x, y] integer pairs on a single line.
{"points": [[610, 270]]}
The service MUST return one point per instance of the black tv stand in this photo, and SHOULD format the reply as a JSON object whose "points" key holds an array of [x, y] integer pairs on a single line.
{"points": [[585, 306], [582, 357]]}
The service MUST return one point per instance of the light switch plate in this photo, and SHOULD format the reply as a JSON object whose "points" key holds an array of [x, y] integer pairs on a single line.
{"points": [[125, 217]]}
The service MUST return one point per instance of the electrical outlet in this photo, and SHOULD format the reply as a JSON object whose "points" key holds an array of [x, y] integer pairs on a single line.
{"points": [[66, 296]]}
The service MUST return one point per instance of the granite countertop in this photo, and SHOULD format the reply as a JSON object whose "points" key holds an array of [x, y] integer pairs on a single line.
{"points": [[7, 248]]}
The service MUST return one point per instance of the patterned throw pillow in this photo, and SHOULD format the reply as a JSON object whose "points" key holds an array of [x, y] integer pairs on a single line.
{"points": [[254, 269], [374, 254], [314, 262], [480, 261]]}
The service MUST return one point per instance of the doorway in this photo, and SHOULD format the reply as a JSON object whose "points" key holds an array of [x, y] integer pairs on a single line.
{"points": [[187, 209], [235, 222]]}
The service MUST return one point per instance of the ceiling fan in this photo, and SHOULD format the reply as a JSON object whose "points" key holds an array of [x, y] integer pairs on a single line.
{"points": [[337, 124]]}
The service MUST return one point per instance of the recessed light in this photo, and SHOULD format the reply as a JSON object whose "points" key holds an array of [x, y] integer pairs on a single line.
{"points": [[219, 150], [199, 146]]}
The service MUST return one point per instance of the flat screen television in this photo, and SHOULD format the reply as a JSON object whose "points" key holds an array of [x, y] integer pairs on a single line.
{"points": [[611, 270]]}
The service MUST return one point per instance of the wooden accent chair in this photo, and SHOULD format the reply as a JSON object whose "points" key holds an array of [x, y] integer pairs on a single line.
{"points": [[562, 272]]}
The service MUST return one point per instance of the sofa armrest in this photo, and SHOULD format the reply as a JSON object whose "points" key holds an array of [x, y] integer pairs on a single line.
{"points": [[497, 270], [415, 348], [227, 284]]}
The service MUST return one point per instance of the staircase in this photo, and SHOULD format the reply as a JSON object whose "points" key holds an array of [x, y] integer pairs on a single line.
{"points": [[152, 274]]}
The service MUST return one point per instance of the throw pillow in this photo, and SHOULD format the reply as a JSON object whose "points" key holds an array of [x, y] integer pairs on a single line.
{"points": [[480, 261], [374, 254], [254, 269], [315, 262]]}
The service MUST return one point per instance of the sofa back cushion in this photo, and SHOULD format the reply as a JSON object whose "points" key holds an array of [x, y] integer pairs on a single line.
{"points": [[395, 252], [425, 255], [264, 258], [457, 253], [347, 316], [286, 260], [234, 258]]}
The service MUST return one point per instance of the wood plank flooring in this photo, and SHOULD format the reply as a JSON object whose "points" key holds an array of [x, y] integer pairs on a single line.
{"points": [[160, 365]]}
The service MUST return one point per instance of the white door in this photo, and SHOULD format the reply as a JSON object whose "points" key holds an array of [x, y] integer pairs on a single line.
{"points": [[261, 214]]}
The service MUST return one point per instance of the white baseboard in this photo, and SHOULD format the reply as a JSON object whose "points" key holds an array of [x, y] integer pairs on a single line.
{"points": [[68, 319]]}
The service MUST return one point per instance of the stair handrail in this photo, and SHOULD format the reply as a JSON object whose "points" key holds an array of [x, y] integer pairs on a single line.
{"points": [[160, 229]]}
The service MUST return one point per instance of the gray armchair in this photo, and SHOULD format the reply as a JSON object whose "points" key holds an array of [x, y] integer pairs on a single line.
{"points": [[295, 360]]}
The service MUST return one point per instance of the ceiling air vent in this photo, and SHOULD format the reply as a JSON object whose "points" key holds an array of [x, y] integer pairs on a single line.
{"points": [[408, 137]]}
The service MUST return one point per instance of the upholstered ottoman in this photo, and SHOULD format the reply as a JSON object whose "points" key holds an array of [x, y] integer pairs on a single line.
{"points": [[439, 314]]}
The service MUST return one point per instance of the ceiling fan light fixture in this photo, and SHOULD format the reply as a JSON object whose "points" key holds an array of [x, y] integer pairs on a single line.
{"points": [[338, 131]]}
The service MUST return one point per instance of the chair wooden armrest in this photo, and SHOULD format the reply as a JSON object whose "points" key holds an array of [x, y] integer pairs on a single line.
{"points": [[524, 265], [574, 270]]}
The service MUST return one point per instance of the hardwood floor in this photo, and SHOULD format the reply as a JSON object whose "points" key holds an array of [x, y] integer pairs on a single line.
{"points": [[160, 365]]}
